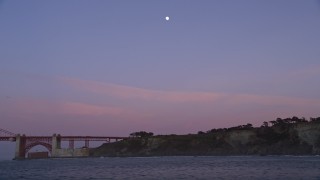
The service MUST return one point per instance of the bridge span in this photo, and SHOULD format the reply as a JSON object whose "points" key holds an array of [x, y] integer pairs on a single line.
{"points": [[53, 143]]}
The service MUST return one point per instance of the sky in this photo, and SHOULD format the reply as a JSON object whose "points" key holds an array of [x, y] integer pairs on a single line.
{"points": [[115, 67]]}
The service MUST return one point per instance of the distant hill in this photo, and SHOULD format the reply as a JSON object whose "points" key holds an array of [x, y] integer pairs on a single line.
{"points": [[291, 136]]}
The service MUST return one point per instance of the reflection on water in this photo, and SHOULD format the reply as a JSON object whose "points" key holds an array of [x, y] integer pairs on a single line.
{"points": [[231, 167]]}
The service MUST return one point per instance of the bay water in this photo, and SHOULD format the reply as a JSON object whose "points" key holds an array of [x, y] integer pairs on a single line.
{"points": [[176, 167]]}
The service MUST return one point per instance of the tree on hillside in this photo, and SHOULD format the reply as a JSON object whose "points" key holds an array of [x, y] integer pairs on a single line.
{"points": [[265, 124], [315, 119], [141, 134], [273, 123], [248, 126], [241, 127]]}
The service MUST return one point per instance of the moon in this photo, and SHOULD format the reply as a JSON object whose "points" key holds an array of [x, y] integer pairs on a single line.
{"points": [[167, 18]]}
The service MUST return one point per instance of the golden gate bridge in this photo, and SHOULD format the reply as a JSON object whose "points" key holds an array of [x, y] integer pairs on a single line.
{"points": [[53, 143]]}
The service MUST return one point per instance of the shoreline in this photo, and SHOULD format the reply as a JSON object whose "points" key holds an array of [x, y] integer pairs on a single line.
{"points": [[199, 156]]}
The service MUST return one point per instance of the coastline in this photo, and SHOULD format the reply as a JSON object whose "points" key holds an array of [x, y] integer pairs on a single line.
{"points": [[301, 139]]}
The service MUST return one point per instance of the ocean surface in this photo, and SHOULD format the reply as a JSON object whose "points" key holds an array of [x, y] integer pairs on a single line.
{"points": [[229, 167]]}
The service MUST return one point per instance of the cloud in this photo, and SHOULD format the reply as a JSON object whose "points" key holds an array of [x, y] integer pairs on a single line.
{"points": [[174, 111], [33, 106], [302, 73], [271, 100], [309, 71], [75, 108], [127, 92]]}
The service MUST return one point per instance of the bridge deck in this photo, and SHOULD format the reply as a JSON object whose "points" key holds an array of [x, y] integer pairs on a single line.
{"points": [[7, 138], [69, 138]]}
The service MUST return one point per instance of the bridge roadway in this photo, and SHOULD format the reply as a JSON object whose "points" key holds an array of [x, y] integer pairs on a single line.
{"points": [[68, 138]]}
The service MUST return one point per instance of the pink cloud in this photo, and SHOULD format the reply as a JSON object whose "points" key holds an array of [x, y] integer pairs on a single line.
{"points": [[300, 74], [88, 109], [127, 92], [308, 71], [271, 100], [172, 112], [33, 106]]}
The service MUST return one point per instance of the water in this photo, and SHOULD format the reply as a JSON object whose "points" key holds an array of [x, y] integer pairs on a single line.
{"points": [[231, 167]]}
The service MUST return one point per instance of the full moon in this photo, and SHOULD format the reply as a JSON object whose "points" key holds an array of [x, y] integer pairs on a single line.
{"points": [[167, 18]]}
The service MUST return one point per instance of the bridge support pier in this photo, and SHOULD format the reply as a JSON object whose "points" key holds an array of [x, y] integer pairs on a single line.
{"points": [[20, 147], [58, 152], [56, 145], [86, 143], [71, 144]]}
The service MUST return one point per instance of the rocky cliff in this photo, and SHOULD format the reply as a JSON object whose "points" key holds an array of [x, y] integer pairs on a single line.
{"points": [[283, 139]]}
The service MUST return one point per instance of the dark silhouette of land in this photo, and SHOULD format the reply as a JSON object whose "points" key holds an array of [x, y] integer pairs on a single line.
{"points": [[290, 136]]}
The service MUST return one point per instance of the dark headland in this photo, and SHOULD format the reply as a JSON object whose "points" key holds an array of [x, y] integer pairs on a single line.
{"points": [[290, 136]]}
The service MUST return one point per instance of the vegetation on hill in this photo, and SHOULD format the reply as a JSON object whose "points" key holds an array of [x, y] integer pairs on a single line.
{"points": [[294, 136]]}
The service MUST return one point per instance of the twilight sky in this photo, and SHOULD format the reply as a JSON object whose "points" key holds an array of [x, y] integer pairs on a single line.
{"points": [[115, 67]]}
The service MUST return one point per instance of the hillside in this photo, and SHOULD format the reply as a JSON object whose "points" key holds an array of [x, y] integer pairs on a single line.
{"points": [[282, 138]]}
